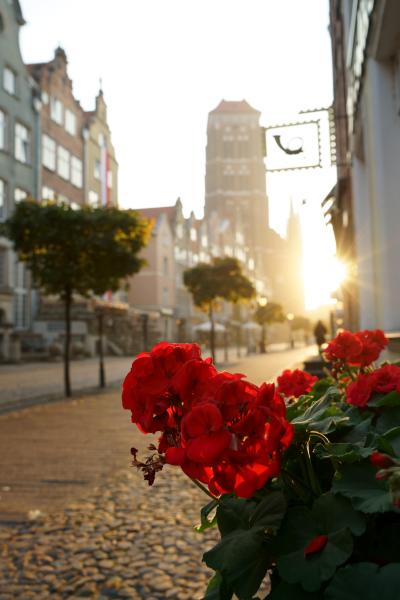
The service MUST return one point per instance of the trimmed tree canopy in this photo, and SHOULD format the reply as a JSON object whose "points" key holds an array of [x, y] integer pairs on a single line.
{"points": [[85, 250], [220, 279]]}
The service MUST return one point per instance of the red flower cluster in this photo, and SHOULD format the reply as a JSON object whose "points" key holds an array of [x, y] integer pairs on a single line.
{"points": [[316, 545], [220, 429], [295, 383], [382, 381], [356, 349]]}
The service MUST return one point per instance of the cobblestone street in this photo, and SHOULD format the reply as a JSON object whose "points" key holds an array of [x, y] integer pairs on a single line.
{"points": [[77, 521]]}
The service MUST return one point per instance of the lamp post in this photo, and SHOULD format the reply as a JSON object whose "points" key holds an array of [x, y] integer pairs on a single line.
{"points": [[263, 301], [290, 317]]}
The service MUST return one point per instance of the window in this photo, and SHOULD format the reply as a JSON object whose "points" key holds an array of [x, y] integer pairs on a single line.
{"points": [[63, 162], [109, 180], [3, 200], [48, 152], [3, 268], [56, 110], [102, 141], [193, 234], [97, 169], [22, 143], [165, 265], [45, 98], [9, 80], [70, 122], [47, 193], [3, 130], [93, 198], [76, 172], [165, 296], [19, 195]]}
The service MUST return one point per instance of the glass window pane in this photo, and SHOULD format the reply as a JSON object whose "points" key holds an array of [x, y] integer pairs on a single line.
{"points": [[22, 143], [63, 162], [3, 130], [3, 200], [48, 152], [9, 80]]}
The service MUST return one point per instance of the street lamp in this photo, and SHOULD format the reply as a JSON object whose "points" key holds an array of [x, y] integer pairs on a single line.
{"points": [[290, 317]]}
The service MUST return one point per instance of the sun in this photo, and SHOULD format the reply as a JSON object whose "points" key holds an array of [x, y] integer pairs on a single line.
{"points": [[323, 276]]}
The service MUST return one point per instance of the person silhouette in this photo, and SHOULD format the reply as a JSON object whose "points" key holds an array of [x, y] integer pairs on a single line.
{"points": [[320, 332]]}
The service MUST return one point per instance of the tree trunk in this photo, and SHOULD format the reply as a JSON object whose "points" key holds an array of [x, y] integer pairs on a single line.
{"points": [[67, 347], [212, 332], [102, 375], [263, 347]]}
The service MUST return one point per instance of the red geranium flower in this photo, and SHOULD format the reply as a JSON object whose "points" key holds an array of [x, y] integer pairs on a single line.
{"points": [[359, 392], [386, 379], [372, 342], [346, 347], [316, 545], [295, 383], [204, 435], [382, 461]]}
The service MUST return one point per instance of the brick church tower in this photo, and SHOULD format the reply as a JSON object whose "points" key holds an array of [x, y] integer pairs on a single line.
{"points": [[235, 181]]}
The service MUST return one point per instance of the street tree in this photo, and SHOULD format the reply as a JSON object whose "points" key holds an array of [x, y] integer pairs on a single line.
{"points": [[222, 279], [86, 251], [266, 314], [301, 323]]}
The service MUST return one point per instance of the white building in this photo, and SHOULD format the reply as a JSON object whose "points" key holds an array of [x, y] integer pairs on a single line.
{"points": [[369, 34]]}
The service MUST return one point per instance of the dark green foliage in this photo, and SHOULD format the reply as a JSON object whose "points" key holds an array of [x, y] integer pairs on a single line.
{"points": [[327, 487], [222, 279], [85, 251]]}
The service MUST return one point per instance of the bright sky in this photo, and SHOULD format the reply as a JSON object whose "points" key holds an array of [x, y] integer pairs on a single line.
{"points": [[166, 64]]}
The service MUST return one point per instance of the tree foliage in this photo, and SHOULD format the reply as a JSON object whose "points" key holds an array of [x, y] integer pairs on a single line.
{"points": [[300, 322], [221, 279], [85, 251], [272, 312]]}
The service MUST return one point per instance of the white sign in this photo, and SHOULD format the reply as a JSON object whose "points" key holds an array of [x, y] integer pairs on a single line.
{"points": [[293, 146]]}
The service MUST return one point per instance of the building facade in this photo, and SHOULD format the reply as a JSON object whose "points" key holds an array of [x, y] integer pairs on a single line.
{"points": [[18, 172], [100, 164], [235, 184], [153, 290], [62, 120], [367, 34]]}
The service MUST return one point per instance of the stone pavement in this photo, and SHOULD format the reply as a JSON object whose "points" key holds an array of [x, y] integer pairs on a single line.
{"points": [[78, 521]]}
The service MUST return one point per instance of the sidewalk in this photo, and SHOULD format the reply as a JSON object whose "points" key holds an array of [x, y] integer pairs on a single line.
{"points": [[28, 384]]}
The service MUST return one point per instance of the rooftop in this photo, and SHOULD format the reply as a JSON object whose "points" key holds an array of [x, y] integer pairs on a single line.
{"points": [[234, 106]]}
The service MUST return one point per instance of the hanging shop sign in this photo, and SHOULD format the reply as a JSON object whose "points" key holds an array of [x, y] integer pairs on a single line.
{"points": [[294, 146]]}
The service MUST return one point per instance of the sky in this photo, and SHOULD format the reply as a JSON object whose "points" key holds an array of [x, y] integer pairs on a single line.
{"points": [[164, 65]]}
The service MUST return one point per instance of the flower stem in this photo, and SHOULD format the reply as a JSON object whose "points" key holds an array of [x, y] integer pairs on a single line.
{"points": [[203, 489]]}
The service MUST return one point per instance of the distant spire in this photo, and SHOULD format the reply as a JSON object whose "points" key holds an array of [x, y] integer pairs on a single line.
{"points": [[100, 86]]}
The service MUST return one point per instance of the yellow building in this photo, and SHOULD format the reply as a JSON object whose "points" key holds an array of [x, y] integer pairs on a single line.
{"points": [[101, 167]]}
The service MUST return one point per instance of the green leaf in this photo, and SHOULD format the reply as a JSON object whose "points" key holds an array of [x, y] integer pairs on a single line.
{"points": [[388, 419], [324, 415], [365, 581], [358, 483], [391, 399], [243, 560], [243, 554], [330, 516], [217, 589], [269, 512], [234, 513], [285, 591], [392, 437], [344, 452], [205, 523]]}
